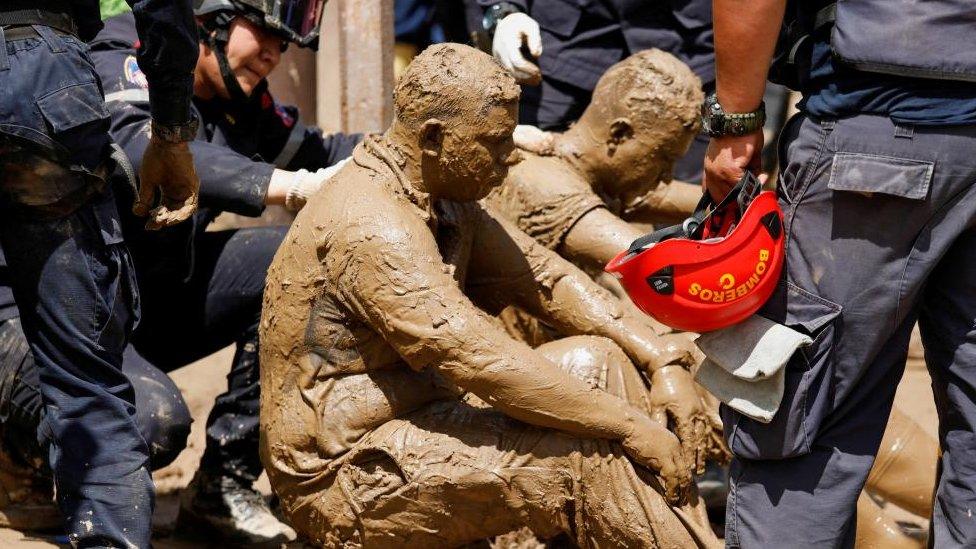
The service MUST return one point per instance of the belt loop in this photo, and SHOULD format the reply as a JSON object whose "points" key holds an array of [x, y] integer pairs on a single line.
{"points": [[904, 131], [4, 62], [53, 40], [828, 125]]}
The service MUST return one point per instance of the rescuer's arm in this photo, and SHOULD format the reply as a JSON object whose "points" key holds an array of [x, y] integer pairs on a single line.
{"points": [[745, 38], [389, 273], [168, 54]]}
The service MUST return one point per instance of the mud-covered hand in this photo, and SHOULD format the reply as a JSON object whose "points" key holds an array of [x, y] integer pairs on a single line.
{"points": [[650, 444], [167, 167], [718, 450], [512, 32], [675, 401]]}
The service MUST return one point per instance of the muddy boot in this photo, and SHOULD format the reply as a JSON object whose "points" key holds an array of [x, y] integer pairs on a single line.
{"points": [[26, 498], [230, 511]]}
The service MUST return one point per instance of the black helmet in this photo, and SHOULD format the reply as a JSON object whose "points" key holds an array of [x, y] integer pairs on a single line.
{"points": [[297, 21]]}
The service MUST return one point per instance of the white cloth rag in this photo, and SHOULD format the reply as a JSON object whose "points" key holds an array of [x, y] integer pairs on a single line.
{"points": [[744, 364]]}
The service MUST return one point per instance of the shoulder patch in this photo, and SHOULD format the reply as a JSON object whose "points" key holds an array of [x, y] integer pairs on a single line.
{"points": [[133, 73], [286, 118]]}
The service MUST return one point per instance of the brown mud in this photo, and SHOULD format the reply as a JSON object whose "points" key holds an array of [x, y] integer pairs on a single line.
{"points": [[391, 400]]}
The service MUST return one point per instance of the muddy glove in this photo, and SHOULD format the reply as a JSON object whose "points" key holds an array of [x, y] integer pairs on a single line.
{"points": [[534, 140], [511, 33], [304, 184], [168, 167], [651, 445]]}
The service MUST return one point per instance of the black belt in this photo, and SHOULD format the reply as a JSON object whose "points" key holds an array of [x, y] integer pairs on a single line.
{"points": [[60, 20], [21, 32]]}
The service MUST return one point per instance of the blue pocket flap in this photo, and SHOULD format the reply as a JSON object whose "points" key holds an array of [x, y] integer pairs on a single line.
{"points": [[73, 106], [873, 173]]}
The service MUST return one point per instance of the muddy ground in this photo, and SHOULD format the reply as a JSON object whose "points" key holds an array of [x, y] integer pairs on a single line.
{"points": [[203, 380]]}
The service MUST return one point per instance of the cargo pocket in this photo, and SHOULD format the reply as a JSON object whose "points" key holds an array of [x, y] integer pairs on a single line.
{"points": [[808, 392], [868, 174], [78, 122], [117, 309]]}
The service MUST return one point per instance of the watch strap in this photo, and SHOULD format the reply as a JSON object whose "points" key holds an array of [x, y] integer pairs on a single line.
{"points": [[176, 133], [718, 123], [496, 13]]}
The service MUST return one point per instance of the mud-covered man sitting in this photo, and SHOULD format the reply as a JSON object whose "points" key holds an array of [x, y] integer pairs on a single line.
{"points": [[396, 412]]}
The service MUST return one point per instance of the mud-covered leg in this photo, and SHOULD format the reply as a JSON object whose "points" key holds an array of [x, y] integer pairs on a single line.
{"points": [[904, 470], [603, 364]]}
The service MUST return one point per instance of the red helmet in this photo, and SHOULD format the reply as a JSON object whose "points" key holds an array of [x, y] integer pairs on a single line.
{"points": [[715, 269]]}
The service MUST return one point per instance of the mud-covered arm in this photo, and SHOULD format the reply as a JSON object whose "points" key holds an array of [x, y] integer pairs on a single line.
{"points": [[596, 238], [395, 281], [510, 266]]}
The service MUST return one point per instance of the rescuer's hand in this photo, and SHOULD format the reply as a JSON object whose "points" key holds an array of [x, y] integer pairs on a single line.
{"points": [[512, 32], [167, 167], [534, 140], [675, 402], [726, 160], [651, 444], [303, 184]]}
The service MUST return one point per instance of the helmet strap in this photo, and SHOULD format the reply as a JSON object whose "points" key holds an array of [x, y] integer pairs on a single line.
{"points": [[216, 35]]}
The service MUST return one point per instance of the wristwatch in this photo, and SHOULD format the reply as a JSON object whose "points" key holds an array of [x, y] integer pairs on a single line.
{"points": [[718, 123], [496, 13], [176, 133]]}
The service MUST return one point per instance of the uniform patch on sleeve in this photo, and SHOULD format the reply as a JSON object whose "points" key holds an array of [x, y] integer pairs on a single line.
{"points": [[287, 119], [133, 73]]}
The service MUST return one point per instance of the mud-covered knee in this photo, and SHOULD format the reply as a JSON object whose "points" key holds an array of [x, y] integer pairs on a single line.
{"points": [[588, 358], [360, 484]]}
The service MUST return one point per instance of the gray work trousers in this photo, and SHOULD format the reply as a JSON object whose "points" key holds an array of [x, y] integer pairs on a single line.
{"points": [[880, 232]]}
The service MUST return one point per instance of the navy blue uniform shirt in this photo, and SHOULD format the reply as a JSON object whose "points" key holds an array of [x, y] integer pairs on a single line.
{"points": [[581, 39], [167, 53], [832, 90]]}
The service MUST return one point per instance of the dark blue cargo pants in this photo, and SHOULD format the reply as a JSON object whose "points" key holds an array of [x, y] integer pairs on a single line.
{"points": [[183, 320], [73, 280], [880, 231], [161, 413]]}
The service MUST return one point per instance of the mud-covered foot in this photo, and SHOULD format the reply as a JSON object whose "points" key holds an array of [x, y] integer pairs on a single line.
{"points": [[26, 498], [225, 509]]}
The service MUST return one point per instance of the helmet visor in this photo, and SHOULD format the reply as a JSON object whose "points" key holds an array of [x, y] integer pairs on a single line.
{"points": [[299, 20]]}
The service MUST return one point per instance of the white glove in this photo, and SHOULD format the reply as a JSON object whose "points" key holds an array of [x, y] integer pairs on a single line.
{"points": [[532, 139], [304, 184], [512, 31]]}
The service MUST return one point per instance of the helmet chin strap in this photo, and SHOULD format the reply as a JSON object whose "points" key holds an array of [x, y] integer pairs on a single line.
{"points": [[216, 38]]}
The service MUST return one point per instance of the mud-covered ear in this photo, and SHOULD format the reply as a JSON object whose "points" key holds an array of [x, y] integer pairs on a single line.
{"points": [[621, 130], [431, 137]]}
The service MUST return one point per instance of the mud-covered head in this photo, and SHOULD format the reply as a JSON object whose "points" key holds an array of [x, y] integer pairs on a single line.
{"points": [[644, 115], [458, 108]]}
